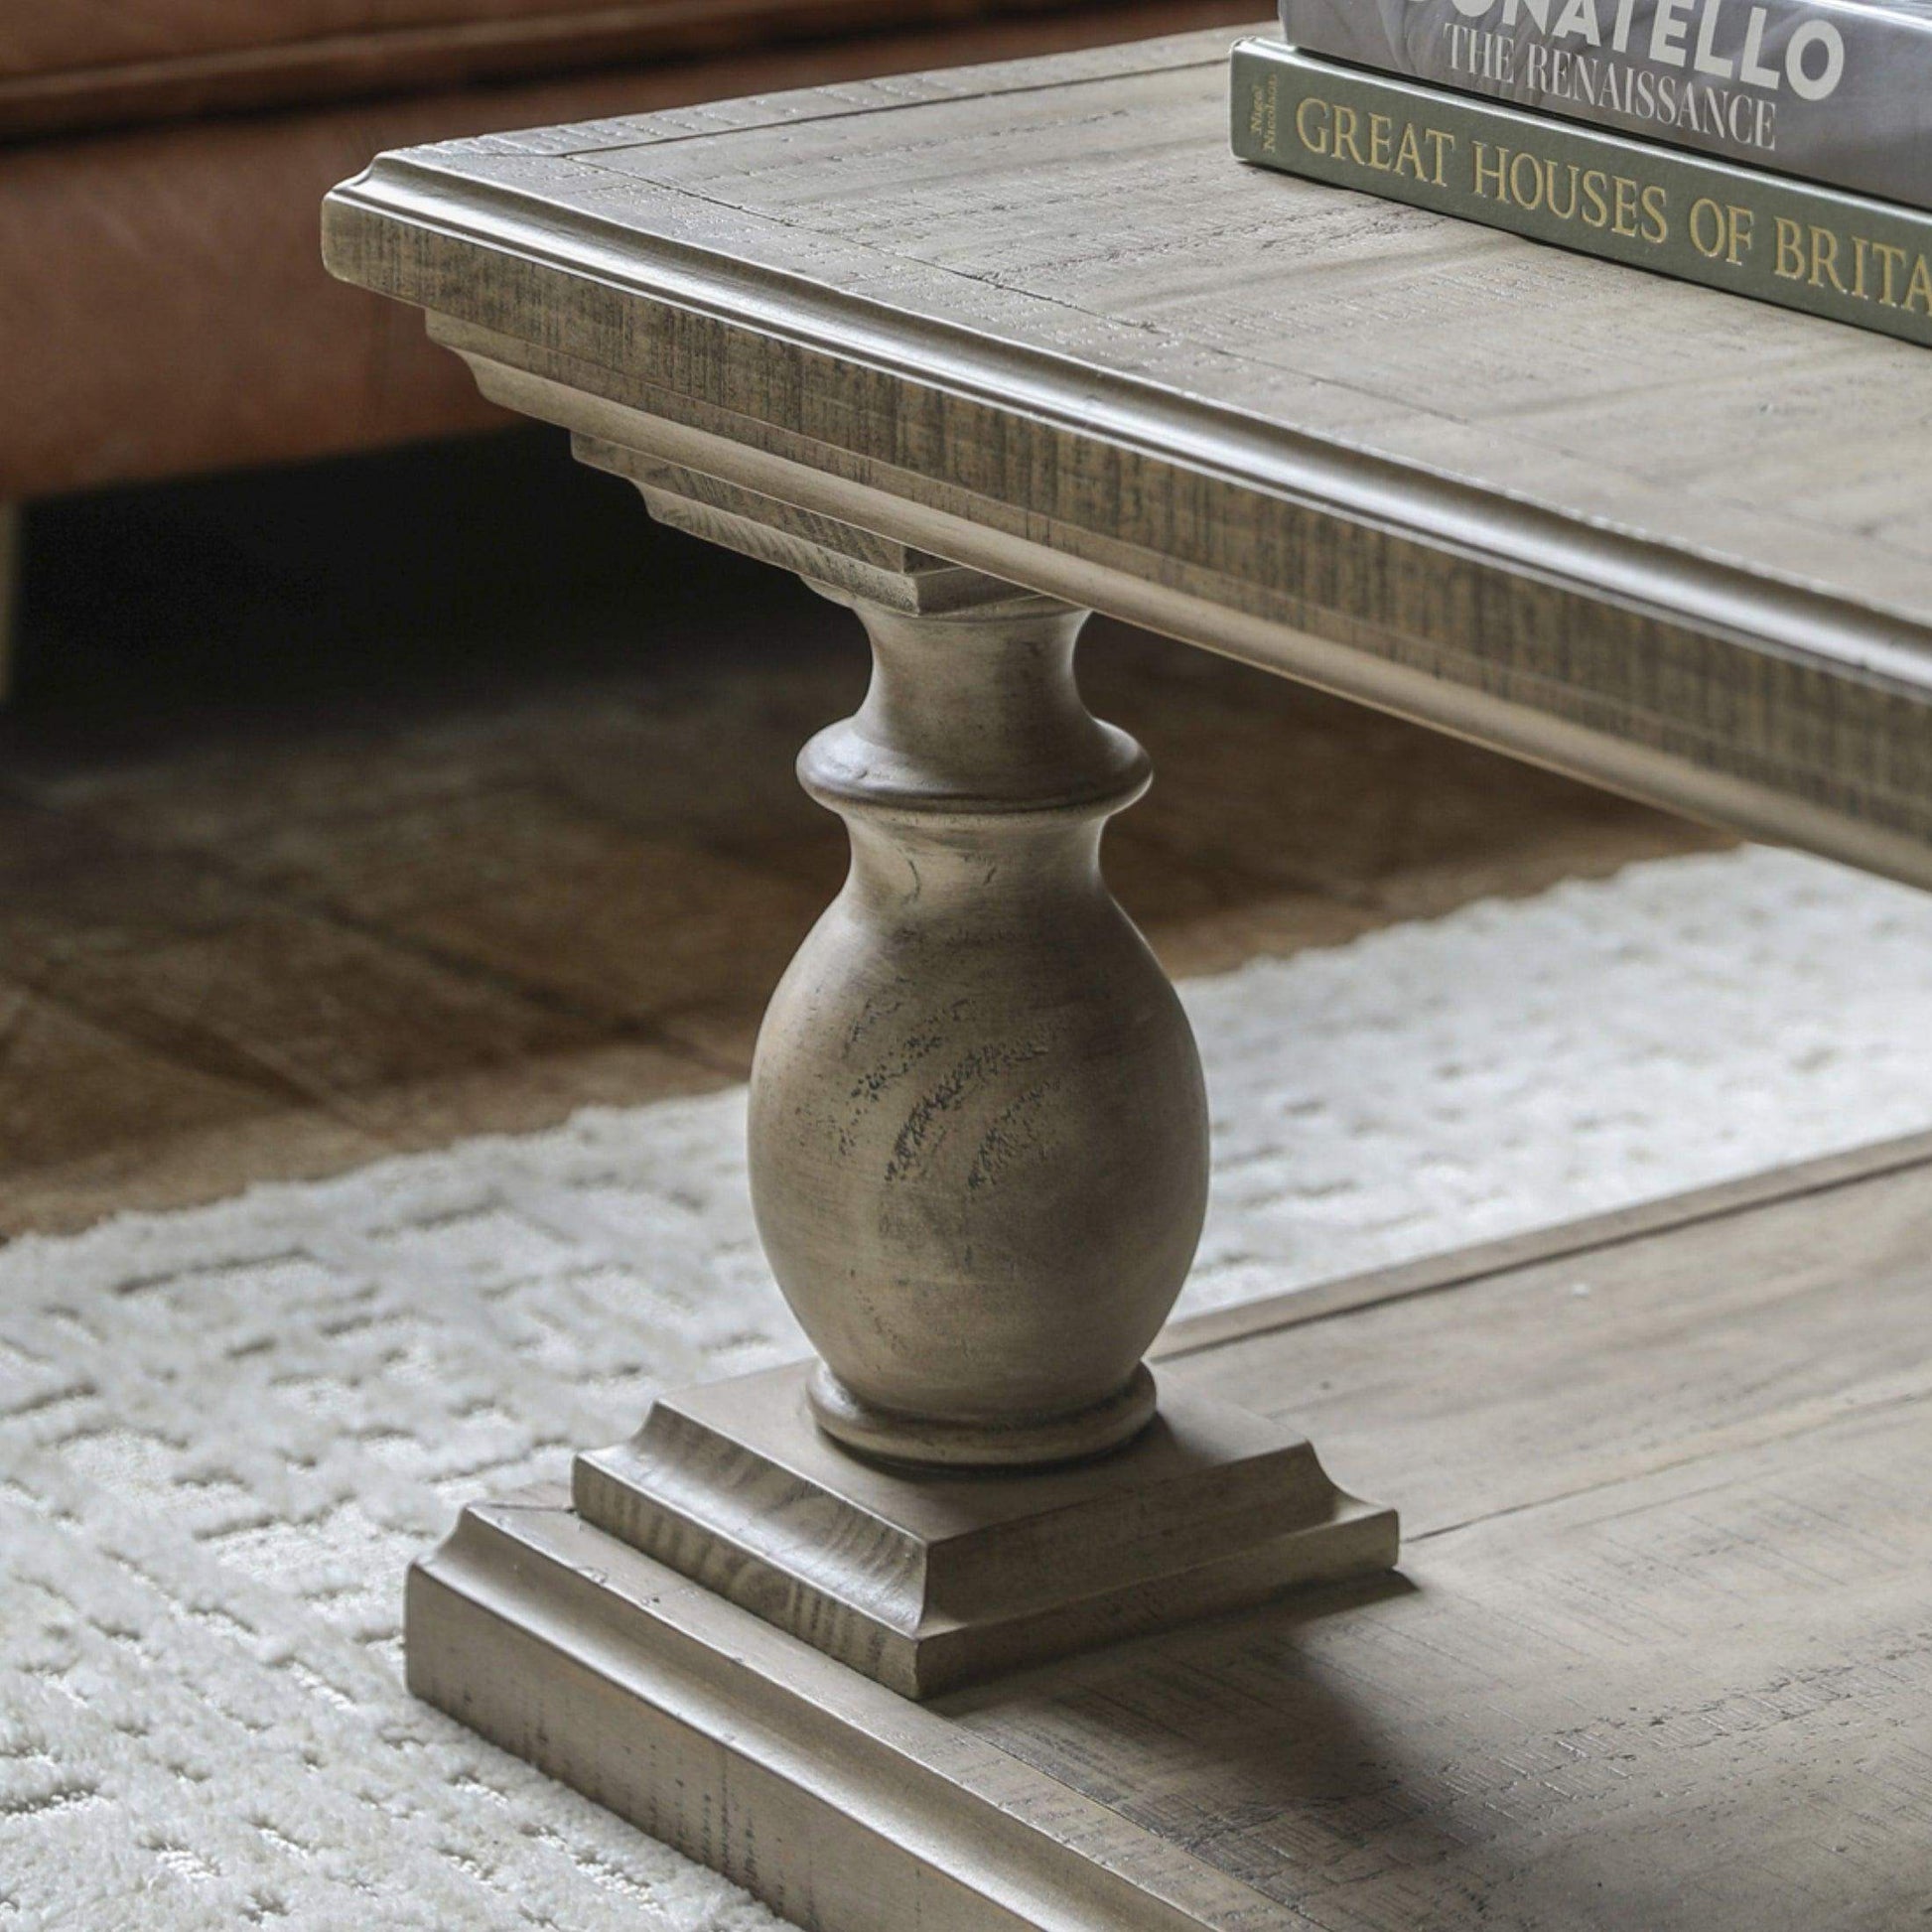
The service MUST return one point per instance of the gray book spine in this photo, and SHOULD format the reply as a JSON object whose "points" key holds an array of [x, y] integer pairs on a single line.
{"points": [[1837, 91], [1827, 253]]}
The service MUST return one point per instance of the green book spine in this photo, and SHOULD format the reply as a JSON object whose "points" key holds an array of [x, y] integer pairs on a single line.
{"points": [[1816, 249]]}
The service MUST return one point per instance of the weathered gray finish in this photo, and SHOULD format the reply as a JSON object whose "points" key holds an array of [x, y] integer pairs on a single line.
{"points": [[978, 1128], [927, 1585], [979, 1163], [1658, 1657], [972, 352], [1035, 319], [836, 559]]}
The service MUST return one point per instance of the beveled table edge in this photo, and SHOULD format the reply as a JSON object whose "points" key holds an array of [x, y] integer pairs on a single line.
{"points": [[421, 189]]}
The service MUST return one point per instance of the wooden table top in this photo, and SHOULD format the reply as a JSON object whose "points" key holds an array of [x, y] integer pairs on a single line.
{"points": [[1035, 319]]}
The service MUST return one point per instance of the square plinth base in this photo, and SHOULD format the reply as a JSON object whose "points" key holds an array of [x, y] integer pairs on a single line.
{"points": [[929, 1581], [844, 1806]]}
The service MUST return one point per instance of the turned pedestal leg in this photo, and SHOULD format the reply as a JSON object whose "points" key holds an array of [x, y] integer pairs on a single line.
{"points": [[979, 1163], [978, 1128]]}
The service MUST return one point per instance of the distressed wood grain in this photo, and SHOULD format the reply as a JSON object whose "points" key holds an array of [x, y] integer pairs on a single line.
{"points": [[1658, 1654], [1034, 319]]}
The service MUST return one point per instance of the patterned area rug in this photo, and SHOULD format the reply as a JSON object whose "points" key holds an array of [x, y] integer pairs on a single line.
{"points": [[223, 1432]]}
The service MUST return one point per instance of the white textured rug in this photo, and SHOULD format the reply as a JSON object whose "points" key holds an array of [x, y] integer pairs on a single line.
{"points": [[223, 1432]]}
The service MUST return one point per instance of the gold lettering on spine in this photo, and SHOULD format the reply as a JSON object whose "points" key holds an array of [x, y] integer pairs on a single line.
{"points": [[1721, 229], [1742, 223], [1264, 104], [1831, 259], [1530, 198], [1707, 227], [1332, 129], [1824, 259], [1656, 215], [1347, 121], [1625, 221], [1551, 170], [1891, 260], [1790, 264]]}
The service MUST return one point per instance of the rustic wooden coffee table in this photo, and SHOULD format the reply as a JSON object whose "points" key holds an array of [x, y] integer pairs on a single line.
{"points": [[955, 1630]]}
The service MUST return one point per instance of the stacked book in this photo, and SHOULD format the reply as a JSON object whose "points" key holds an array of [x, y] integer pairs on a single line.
{"points": [[1776, 148]]}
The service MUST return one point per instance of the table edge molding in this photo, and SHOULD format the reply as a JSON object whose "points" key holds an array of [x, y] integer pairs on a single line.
{"points": [[406, 189]]}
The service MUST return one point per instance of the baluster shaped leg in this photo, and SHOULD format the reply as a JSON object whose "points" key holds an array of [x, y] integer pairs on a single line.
{"points": [[979, 1161], [979, 1133]]}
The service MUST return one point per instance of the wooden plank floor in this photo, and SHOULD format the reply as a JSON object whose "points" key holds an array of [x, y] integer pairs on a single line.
{"points": [[373, 806]]}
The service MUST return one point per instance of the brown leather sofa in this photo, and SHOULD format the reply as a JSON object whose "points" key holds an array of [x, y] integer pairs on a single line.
{"points": [[162, 306]]}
